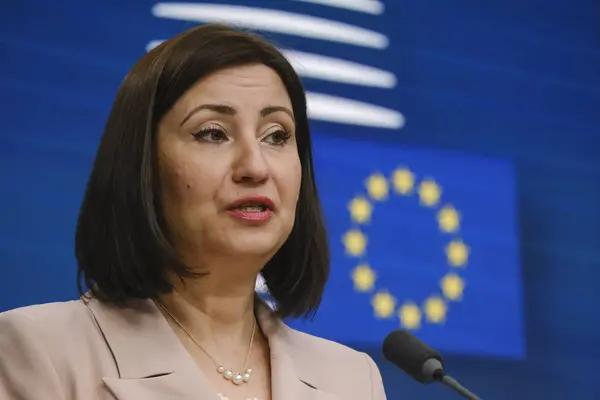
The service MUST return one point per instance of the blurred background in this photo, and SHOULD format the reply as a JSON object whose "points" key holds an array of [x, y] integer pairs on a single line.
{"points": [[456, 150]]}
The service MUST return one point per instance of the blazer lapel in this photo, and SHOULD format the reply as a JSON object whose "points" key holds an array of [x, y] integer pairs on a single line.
{"points": [[171, 386], [152, 362], [286, 384], [154, 365], [290, 379]]}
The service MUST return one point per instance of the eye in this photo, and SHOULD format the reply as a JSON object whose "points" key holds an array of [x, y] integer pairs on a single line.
{"points": [[277, 138], [211, 134]]}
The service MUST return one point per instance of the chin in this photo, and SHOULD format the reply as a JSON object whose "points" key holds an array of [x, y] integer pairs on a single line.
{"points": [[258, 244]]}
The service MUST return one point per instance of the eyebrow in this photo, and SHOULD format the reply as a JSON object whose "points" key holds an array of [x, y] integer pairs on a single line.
{"points": [[227, 110]]}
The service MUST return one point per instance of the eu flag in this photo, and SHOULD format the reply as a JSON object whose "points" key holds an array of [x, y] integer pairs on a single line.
{"points": [[421, 240]]}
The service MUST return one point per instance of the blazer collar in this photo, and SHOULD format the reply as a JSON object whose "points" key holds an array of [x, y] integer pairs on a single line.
{"points": [[291, 376], [151, 361], [153, 364]]}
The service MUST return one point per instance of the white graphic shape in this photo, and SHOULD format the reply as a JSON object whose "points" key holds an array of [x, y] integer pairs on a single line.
{"points": [[374, 7], [337, 70], [273, 21], [331, 69], [341, 110]]}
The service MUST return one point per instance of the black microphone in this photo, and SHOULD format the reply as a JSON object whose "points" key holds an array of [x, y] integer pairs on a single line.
{"points": [[420, 361]]}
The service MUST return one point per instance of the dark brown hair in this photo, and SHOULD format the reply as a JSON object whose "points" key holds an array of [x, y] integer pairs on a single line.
{"points": [[121, 243]]}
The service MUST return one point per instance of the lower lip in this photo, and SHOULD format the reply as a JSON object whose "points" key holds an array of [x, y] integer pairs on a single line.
{"points": [[251, 216]]}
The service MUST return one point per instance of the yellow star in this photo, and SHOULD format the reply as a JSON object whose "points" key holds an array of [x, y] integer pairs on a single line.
{"points": [[429, 192], [410, 315], [448, 219], [403, 181], [355, 242], [364, 278], [360, 210], [457, 253], [384, 304], [435, 309], [452, 286], [377, 186]]}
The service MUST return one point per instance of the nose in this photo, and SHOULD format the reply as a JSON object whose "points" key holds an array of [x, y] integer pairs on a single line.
{"points": [[250, 164]]}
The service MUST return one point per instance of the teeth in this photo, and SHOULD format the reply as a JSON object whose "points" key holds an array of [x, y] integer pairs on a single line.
{"points": [[253, 208]]}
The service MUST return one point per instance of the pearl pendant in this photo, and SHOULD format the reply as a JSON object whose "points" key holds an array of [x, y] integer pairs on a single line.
{"points": [[237, 379], [246, 375]]}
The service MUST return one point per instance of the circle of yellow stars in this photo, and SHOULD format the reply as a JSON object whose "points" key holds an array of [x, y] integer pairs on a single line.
{"points": [[434, 308]]}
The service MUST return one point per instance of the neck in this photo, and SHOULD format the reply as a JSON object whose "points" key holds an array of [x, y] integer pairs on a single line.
{"points": [[217, 308]]}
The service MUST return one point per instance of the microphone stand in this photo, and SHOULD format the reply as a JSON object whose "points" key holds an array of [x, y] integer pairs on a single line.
{"points": [[453, 384]]}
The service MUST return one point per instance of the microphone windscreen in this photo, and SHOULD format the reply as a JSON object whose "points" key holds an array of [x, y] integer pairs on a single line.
{"points": [[409, 354]]}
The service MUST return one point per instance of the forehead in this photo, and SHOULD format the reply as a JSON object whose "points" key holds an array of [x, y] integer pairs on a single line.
{"points": [[246, 86]]}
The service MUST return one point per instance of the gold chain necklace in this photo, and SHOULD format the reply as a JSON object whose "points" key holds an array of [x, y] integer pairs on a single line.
{"points": [[227, 373]]}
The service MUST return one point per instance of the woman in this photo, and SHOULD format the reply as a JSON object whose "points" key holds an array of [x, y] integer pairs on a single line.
{"points": [[203, 179]]}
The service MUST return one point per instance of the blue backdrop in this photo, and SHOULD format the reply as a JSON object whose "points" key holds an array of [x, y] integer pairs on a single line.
{"points": [[511, 86], [422, 240]]}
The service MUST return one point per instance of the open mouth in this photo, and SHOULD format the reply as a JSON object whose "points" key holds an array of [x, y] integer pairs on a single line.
{"points": [[254, 204], [254, 207]]}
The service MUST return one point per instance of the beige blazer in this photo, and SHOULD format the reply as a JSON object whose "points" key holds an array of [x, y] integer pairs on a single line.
{"points": [[93, 351]]}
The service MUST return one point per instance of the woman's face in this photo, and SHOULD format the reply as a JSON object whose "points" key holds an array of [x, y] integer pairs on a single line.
{"points": [[229, 165]]}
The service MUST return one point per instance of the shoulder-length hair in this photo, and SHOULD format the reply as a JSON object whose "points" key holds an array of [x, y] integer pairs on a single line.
{"points": [[121, 243]]}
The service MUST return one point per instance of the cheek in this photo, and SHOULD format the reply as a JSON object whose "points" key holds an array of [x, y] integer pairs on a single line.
{"points": [[291, 179], [298, 179], [191, 178], [181, 182]]}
